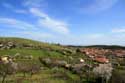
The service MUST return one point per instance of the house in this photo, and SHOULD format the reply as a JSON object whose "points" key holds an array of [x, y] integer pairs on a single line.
{"points": [[101, 59], [82, 60]]}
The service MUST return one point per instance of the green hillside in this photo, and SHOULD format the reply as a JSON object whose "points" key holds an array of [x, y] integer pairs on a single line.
{"points": [[22, 48], [31, 47], [39, 62], [28, 42]]}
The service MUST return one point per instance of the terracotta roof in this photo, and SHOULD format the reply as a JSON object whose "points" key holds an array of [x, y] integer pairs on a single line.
{"points": [[101, 60]]}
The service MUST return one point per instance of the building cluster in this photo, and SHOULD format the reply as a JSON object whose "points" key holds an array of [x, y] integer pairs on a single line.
{"points": [[100, 54]]}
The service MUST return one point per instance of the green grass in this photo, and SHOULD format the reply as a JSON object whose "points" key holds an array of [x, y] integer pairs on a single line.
{"points": [[45, 76], [34, 53]]}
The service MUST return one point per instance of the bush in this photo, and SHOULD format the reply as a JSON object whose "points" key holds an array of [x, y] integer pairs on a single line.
{"points": [[28, 67]]}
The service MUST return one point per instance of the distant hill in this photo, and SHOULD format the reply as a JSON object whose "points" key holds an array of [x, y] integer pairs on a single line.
{"points": [[107, 46], [100, 46]]}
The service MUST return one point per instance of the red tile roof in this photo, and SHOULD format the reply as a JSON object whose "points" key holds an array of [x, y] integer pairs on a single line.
{"points": [[101, 60]]}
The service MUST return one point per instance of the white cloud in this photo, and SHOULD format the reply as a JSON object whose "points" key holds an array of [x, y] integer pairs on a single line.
{"points": [[50, 23], [24, 29], [99, 5], [16, 23], [37, 12], [118, 30], [54, 25], [34, 3]]}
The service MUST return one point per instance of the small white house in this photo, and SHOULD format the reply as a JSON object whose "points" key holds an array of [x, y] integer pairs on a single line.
{"points": [[82, 60]]}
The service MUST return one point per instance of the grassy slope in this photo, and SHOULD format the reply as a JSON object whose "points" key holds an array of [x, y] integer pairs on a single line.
{"points": [[29, 42], [45, 76], [31, 51]]}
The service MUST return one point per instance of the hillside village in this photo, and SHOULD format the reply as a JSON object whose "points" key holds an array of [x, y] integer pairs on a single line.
{"points": [[100, 54], [77, 65]]}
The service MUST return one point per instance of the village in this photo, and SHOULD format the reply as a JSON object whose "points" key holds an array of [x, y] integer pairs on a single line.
{"points": [[100, 54]]}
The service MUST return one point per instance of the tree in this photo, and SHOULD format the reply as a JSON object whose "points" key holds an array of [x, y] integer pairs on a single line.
{"points": [[6, 69], [28, 67], [34, 69], [104, 72]]}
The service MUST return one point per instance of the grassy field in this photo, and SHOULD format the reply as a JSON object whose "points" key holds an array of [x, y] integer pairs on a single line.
{"points": [[39, 49], [45, 76], [34, 53]]}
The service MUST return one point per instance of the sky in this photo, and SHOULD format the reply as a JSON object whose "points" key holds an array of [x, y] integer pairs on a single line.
{"points": [[68, 22]]}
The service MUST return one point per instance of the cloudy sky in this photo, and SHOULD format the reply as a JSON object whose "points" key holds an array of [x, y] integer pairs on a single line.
{"points": [[74, 22]]}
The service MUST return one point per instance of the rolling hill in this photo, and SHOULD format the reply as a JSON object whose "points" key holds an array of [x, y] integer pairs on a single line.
{"points": [[59, 64]]}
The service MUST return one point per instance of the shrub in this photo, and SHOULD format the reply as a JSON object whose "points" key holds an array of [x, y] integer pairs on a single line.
{"points": [[28, 67]]}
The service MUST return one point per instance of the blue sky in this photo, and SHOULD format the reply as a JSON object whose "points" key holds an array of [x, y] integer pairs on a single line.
{"points": [[74, 22]]}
